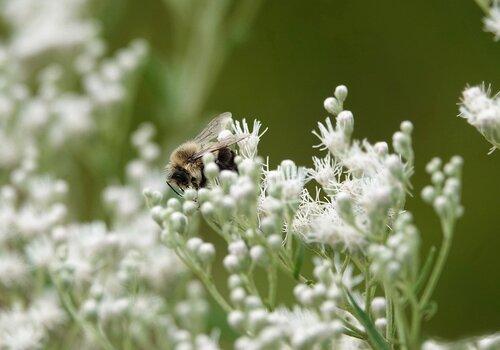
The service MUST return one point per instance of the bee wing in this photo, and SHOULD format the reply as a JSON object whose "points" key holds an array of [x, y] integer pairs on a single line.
{"points": [[228, 141], [213, 129]]}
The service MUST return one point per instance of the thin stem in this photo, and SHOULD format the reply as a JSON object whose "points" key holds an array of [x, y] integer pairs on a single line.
{"points": [[483, 5], [438, 267], [415, 320], [400, 323], [98, 334], [389, 311], [206, 280], [273, 281]]}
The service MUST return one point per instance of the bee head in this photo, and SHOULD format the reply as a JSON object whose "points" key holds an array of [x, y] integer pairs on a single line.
{"points": [[178, 176]]}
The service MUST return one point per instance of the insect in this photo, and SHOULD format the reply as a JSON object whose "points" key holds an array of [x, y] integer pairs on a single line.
{"points": [[185, 168]]}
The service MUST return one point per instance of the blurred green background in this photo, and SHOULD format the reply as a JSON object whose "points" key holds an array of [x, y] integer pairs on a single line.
{"points": [[401, 60]]}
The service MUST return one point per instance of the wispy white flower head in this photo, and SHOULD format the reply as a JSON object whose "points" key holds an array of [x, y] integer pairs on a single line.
{"points": [[483, 112], [492, 20], [48, 25], [248, 146], [289, 178], [326, 170], [13, 270], [19, 331], [329, 229]]}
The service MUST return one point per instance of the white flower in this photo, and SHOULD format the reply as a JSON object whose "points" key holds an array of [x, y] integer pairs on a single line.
{"points": [[331, 138], [19, 331], [47, 25], [13, 270], [290, 178], [73, 118], [482, 112], [328, 228], [492, 21], [41, 252], [248, 146], [47, 312], [326, 170]]}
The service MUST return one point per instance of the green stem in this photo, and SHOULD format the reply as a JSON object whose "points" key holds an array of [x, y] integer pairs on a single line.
{"points": [[98, 334], [389, 333], [206, 280], [415, 320], [400, 323], [438, 267], [273, 279], [483, 5]]}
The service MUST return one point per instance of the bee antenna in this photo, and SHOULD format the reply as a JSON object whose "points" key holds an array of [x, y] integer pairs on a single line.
{"points": [[173, 189]]}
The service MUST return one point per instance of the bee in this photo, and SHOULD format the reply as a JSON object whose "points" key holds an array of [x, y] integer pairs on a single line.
{"points": [[185, 168]]}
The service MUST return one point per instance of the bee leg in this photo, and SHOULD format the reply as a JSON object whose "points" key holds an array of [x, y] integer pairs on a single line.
{"points": [[225, 160]]}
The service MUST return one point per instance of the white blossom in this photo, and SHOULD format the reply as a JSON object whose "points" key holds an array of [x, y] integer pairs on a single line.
{"points": [[483, 112]]}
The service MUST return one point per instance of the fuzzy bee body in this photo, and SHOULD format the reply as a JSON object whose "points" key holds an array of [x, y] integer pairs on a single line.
{"points": [[185, 168]]}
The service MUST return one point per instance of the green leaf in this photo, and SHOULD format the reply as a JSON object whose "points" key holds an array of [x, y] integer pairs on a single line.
{"points": [[424, 274], [299, 260], [376, 339], [430, 310]]}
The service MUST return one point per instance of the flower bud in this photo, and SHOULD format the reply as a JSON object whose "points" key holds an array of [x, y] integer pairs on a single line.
{"points": [[231, 263], [174, 204], [328, 309], [211, 171], [238, 248], [236, 319], [89, 309], [381, 148], [274, 241], [407, 127], [207, 209], [189, 207], [252, 302], [441, 205], [257, 319], [258, 255], [238, 295], [269, 224], [178, 222], [332, 105], [227, 178], [208, 158], [433, 166], [234, 281], [381, 324], [190, 194], [206, 253], [378, 306], [193, 244], [428, 194], [340, 93], [345, 122], [437, 178], [156, 214], [228, 206]]}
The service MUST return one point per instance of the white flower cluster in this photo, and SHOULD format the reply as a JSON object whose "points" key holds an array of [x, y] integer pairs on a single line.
{"points": [[492, 20], [55, 84], [114, 282], [42, 27], [355, 226], [489, 342], [483, 112], [365, 184]]}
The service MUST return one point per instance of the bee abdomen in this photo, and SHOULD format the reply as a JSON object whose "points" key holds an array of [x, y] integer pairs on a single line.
{"points": [[225, 159]]}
